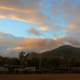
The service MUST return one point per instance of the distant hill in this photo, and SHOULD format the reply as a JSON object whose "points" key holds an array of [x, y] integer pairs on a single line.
{"points": [[65, 50]]}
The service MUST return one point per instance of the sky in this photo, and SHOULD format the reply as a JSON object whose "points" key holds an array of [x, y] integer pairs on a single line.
{"points": [[40, 20], [21, 17]]}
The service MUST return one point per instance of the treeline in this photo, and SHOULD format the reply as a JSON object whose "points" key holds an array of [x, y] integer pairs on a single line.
{"points": [[65, 59]]}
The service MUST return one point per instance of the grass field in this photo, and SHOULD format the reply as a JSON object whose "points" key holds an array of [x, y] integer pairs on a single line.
{"points": [[41, 77]]}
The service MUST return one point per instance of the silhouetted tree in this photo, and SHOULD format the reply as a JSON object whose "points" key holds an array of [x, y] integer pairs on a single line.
{"points": [[21, 57]]}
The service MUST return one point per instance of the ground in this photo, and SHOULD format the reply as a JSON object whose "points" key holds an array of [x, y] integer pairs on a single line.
{"points": [[41, 77]]}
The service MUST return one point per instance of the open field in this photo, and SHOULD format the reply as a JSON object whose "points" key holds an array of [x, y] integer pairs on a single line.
{"points": [[41, 77]]}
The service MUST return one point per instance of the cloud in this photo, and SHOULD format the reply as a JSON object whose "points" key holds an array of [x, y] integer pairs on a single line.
{"points": [[32, 12], [26, 11], [50, 16], [7, 39], [34, 32], [11, 45], [40, 45]]}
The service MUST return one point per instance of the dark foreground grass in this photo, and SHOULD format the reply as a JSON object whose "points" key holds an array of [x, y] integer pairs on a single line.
{"points": [[41, 77]]}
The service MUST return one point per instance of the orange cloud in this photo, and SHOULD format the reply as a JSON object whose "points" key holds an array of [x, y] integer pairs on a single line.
{"points": [[26, 15], [26, 11], [73, 26], [40, 44], [34, 31], [43, 27], [2, 17]]}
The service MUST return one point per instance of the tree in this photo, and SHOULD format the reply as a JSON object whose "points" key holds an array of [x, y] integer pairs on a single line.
{"points": [[21, 57]]}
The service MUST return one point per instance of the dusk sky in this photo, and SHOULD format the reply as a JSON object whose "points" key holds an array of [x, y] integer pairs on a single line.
{"points": [[42, 24]]}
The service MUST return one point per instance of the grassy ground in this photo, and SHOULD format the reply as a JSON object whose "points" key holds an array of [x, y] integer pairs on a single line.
{"points": [[41, 77]]}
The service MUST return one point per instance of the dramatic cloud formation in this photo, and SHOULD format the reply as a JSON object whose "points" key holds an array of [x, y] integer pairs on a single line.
{"points": [[45, 24], [26, 11], [11, 46]]}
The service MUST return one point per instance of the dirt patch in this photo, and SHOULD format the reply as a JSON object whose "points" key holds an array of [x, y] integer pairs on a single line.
{"points": [[41, 77]]}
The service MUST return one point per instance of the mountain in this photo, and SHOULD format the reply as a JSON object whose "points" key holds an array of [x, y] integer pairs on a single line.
{"points": [[6, 36], [11, 46], [9, 36], [64, 51], [7, 43], [62, 59]]}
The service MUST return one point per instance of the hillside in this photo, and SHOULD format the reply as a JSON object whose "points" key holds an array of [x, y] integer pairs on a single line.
{"points": [[66, 50]]}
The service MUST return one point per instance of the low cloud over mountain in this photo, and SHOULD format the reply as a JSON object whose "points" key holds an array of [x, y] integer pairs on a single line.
{"points": [[11, 45]]}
